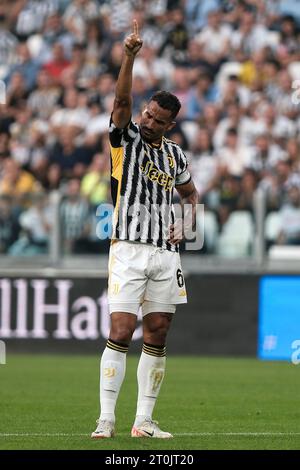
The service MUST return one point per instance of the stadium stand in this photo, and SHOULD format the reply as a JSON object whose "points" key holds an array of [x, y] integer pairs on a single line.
{"points": [[233, 64]]}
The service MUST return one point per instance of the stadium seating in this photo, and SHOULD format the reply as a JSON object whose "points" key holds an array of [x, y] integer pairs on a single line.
{"points": [[210, 231], [272, 226], [237, 235]]}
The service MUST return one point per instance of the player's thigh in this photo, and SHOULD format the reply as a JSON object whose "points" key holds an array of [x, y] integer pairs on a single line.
{"points": [[166, 283], [127, 280]]}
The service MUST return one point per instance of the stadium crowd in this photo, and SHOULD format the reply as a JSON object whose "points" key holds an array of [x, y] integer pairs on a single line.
{"points": [[233, 64]]}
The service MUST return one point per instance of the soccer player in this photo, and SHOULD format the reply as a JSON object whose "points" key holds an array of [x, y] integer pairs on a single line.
{"points": [[144, 263]]}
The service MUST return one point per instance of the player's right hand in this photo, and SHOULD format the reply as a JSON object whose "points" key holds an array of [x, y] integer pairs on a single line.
{"points": [[133, 42]]}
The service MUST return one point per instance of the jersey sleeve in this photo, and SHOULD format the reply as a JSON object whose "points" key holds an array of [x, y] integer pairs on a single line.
{"points": [[183, 175], [118, 137]]}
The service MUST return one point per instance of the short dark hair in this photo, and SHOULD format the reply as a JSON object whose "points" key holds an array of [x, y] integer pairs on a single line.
{"points": [[232, 131], [167, 100]]}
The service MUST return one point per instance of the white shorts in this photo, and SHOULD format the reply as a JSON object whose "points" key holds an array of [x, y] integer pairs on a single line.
{"points": [[142, 274]]}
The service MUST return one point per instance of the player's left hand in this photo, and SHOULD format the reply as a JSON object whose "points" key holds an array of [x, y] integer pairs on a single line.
{"points": [[176, 235]]}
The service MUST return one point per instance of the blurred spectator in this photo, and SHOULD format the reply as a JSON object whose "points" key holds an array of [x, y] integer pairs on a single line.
{"points": [[235, 118], [160, 7], [270, 70], [281, 95], [141, 94], [67, 156], [227, 193], [36, 223], [289, 42], [176, 42], [290, 218], [71, 114], [25, 65], [37, 150], [233, 157], [245, 200], [53, 31], [98, 44], [265, 155], [251, 70], [9, 226], [194, 62], [250, 36], [196, 12], [83, 70], [32, 15], [16, 93], [204, 92], [57, 64], [75, 217], [4, 145], [44, 98], [17, 182], [203, 162], [275, 123], [210, 119], [156, 71], [96, 128], [8, 45], [293, 154], [113, 62], [119, 13], [275, 184], [153, 29], [214, 40], [20, 140], [53, 177], [181, 86], [106, 85], [289, 7], [95, 185], [76, 16], [234, 92]]}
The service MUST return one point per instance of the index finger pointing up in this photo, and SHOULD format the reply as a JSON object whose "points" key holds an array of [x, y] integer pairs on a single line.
{"points": [[135, 28]]}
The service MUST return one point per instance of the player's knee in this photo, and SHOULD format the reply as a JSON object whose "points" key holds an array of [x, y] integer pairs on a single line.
{"points": [[158, 337], [156, 333], [161, 334], [122, 334]]}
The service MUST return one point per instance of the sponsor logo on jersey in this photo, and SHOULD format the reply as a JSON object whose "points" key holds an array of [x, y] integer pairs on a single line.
{"points": [[155, 175]]}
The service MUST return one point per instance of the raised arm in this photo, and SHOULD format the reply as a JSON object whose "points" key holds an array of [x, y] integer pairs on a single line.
{"points": [[123, 100]]}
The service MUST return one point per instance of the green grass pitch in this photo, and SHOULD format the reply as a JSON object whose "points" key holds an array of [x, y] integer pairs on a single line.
{"points": [[51, 402]]}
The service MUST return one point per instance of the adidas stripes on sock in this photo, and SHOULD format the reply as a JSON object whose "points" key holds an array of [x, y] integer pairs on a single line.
{"points": [[150, 374], [112, 373]]}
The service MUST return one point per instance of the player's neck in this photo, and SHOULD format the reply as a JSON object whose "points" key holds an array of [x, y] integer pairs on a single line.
{"points": [[156, 143]]}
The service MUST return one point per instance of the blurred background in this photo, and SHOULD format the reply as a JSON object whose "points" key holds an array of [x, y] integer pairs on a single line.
{"points": [[235, 66]]}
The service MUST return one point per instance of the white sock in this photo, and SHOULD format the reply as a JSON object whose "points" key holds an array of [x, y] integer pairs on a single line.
{"points": [[150, 375], [112, 373]]}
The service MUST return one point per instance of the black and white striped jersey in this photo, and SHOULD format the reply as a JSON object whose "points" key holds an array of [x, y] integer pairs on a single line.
{"points": [[143, 177]]}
